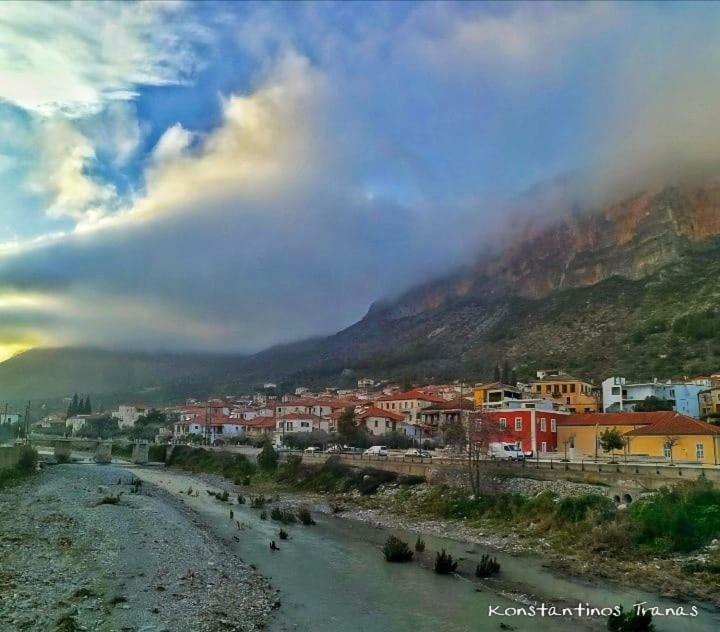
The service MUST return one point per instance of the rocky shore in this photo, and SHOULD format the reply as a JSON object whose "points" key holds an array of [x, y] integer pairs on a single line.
{"points": [[84, 549]]}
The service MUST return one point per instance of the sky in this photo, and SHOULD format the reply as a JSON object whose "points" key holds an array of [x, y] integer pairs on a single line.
{"points": [[228, 176]]}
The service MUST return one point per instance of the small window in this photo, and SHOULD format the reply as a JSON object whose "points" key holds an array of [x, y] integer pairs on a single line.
{"points": [[700, 451], [543, 425], [564, 388], [666, 451], [376, 423], [548, 389], [503, 423], [553, 425], [616, 390], [518, 423], [572, 388]]}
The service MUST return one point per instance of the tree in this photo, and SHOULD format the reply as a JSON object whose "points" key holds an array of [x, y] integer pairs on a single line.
{"points": [[455, 434], [268, 458], [347, 428], [482, 430], [505, 379], [611, 440], [653, 403], [87, 408], [513, 377], [670, 442], [73, 407], [497, 375]]}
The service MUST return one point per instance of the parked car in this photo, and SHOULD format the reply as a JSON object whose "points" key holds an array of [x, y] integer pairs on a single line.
{"points": [[334, 448], [505, 451], [421, 453], [377, 450], [312, 448]]}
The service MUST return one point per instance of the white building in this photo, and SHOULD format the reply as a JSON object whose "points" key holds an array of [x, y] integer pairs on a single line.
{"points": [[365, 382], [76, 423], [619, 395], [128, 414], [9, 418]]}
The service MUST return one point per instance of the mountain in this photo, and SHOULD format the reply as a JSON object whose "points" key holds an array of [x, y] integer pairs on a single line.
{"points": [[59, 372], [632, 289]]}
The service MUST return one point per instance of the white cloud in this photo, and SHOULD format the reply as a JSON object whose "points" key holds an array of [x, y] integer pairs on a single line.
{"points": [[74, 59]]}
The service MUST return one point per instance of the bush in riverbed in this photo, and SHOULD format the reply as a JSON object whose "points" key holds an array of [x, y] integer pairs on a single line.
{"points": [[631, 621], [27, 461], [223, 496], [258, 502], [268, 458], [241, 499], [395, 550], [283, 534], [444, 564], [304, 516], [419, 545], [282, 515], [226, 464], [62, 458], [263, 515], [487, 567]]}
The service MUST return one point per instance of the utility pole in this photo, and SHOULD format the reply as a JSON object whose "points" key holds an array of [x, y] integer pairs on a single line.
{"points": [[27, 424]]}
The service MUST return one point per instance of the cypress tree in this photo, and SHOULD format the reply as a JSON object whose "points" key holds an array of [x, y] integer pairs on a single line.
{"points": [[88, 406]]}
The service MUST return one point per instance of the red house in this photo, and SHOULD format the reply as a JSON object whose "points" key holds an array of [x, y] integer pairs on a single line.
{"points": [[531, 428]]}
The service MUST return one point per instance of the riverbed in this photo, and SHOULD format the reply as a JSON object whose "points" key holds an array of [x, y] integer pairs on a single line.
{"points": [[332, 576]]}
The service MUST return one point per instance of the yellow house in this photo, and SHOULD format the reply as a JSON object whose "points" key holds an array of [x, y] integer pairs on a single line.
{"points": [[709, 401], [577, 395], [678, 438], [494, 393], [581, 431]]}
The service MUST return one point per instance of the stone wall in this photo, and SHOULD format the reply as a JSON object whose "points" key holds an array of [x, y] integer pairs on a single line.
{"points": [[9, 456]]}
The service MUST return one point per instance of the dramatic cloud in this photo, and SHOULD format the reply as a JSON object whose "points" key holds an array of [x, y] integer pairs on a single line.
{"points": [[228, 176], [75, 57]]}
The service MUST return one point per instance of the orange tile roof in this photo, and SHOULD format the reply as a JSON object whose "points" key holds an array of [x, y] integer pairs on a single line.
{"points": [[616, 419], [260, 422], [412, 394], [372, 411], [677, 425]]}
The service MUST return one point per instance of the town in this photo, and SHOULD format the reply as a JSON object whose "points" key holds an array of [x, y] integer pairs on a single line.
{"points": [[555, 415]]}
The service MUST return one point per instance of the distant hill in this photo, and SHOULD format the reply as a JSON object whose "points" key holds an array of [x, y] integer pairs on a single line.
{"points": [[53, 373], [631, 289]]}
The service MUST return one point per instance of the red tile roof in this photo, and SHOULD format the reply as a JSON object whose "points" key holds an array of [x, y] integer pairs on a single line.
{"points": [[677, 425], [412, 394], [260, 422], [616, 419], [372, 411]]}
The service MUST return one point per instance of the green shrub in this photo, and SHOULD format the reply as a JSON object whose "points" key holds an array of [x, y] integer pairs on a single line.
{"points": [[576, 508], [226, 464], [258, 502], [487, 567], [632, 621], [444, 564], [263, 515], [419, 545], [282, 534], [27, 461], [676, 520], [304, 515], [395, 550], [62, 458], [282, 515], [268, 458]]}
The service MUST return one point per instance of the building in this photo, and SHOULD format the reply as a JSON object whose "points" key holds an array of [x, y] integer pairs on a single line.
{"points": [[709, 403], [260, 426], [676, 438], [531, 429], [128, 414], [365, 382], [619, 394], [577, 395], [581, 432], [76, 423], [301, 422], [437, 416], [494, 394], [379, 422], [409, 404], [9, 418]]}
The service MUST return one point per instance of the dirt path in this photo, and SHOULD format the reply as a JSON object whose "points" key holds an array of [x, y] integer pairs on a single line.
{"points": [[142, 565]]}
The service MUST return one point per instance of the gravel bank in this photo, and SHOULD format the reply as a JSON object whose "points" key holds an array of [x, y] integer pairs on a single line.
{"points": [[142, 565]]}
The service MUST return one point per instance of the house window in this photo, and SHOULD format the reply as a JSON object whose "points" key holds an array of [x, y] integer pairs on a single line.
{"points": [[572, 388], [304, 424], [553, 425], [548, 388], [666, 451], [518, 423], [503, 423], [543, 425], [700, 451], [564, 388], [376, 423], [616, 390]]}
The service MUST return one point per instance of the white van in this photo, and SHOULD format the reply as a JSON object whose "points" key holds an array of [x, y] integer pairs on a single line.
{"points": [[377, 450], [505, 451]]}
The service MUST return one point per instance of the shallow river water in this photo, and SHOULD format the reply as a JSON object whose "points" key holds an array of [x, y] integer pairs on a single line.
{"points": [[332, 576]]}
